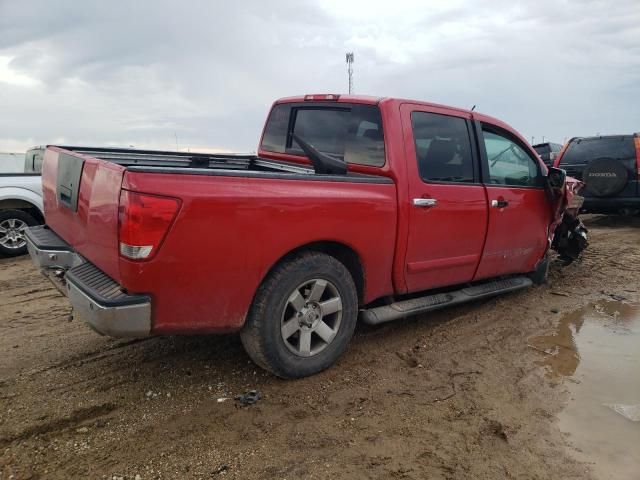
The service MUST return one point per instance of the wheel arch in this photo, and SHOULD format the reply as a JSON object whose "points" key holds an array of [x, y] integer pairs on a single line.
{"points": [[22, 199], [23, 205], [340, 251]]}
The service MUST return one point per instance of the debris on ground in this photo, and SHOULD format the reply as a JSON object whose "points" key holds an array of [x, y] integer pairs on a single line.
{"points": [[220, 470], [249, 398], [630, 412], [495, 428]]}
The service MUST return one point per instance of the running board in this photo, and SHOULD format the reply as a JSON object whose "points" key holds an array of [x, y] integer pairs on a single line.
{"points": [[406, 308]]}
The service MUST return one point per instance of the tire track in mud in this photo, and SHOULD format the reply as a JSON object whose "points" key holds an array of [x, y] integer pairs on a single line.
{"points": [[91, 356], [75, 418], [31, 299]]}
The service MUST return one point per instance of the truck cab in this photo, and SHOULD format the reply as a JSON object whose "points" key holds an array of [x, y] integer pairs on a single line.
{"points": [[472, 195]]}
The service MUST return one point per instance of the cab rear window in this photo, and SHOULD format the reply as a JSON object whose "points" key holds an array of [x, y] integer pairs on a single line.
{"points": [[584, 150], [352, 133]]}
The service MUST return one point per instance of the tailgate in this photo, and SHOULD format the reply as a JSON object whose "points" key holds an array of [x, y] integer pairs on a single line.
{"points": [[81, 196]]}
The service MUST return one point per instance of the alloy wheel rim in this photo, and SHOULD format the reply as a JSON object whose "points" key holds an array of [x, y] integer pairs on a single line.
{"points": [[12, 233], [311, 317]]}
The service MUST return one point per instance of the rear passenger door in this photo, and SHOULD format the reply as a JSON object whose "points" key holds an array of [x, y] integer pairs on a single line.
{"points": [[519, 209], [447, 203]]}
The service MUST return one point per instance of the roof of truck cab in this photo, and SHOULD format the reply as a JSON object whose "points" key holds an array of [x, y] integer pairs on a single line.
{"points": [[341, 98], [372, 100], [391, 101]]}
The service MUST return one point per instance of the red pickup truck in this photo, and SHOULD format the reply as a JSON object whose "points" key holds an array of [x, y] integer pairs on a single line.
{"points": [[354, 206]]}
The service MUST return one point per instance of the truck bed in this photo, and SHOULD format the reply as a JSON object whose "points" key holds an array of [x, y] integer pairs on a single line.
{"points": [[238, 216], [155, 161]]}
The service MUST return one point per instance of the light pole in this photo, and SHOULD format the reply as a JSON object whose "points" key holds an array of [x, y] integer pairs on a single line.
{"points": [[349, 58]]}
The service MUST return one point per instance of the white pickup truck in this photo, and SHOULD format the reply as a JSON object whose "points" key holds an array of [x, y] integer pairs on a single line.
{"points": [[20, 201]]}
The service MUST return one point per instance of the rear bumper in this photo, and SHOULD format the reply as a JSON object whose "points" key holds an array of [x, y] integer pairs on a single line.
{"points": [[95, 297], [612, 204]]}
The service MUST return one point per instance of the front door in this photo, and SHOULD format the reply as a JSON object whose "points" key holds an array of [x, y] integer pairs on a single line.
{"points": [[447, 202], [519, 207]]}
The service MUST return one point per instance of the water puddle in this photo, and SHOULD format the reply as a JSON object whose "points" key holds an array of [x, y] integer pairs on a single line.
{"points": [[598, 349]]}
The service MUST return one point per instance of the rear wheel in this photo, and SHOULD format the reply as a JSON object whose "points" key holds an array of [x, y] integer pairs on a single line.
{"points": [[303, 316], [13, 224]]}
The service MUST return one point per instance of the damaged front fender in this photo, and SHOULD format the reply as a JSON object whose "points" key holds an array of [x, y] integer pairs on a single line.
{"points": [[570, 234]]}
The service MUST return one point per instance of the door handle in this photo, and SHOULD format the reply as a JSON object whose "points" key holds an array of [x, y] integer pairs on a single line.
{"points": [[425, 202], [499, 203]]}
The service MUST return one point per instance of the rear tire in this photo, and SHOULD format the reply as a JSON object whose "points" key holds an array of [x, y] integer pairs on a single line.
{"points": [[13, 223], [302, 317]]}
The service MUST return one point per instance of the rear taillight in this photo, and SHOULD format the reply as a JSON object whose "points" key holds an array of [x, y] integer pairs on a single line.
{"points": [[636, 140], [143, 223]]}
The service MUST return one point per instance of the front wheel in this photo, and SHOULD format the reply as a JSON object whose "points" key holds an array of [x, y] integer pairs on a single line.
{"points": [[13, 224], [302, 317]]}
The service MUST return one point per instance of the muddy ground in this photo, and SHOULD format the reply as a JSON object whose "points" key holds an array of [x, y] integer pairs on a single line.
{"points": [[455, 394]]}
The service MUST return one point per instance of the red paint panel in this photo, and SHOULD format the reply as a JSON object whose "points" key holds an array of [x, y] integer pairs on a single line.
{"points": [[439, 264], [517, 236], [231, 230], [93, 229], [444, 242]]}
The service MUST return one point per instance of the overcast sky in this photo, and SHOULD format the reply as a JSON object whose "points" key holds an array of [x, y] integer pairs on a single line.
{"points": [[143, 72]]}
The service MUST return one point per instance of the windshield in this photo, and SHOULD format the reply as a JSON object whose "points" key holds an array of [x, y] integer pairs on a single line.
{"points": [[11, 162]]}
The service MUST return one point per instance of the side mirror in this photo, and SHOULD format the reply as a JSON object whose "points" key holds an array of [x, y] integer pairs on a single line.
{"points": [[556, 178]]}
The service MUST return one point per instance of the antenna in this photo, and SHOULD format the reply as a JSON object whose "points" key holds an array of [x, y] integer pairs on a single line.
{"points": [[350, 59], [176, 135]]}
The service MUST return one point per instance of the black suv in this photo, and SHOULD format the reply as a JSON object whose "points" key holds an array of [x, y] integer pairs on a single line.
{"points": [[548, 152], [609, 166]]}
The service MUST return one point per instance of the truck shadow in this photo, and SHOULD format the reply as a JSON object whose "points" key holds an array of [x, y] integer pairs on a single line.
{"points": [[611, 221], [218, 363]]}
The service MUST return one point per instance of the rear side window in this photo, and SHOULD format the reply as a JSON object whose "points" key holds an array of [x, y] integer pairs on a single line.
{"points": [[443, 148], [275, 133], [352, 133], [584, 150], [38, 159]]}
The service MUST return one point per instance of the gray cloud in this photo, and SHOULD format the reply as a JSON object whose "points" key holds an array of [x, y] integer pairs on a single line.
{"points": [[138, 72]]}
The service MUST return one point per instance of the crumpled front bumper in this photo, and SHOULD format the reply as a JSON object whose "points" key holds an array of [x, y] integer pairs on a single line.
{"points": [[96, 298]]}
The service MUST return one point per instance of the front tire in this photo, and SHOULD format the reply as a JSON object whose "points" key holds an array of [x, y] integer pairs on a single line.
{"points": [[13, 224], [302, 317]]}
